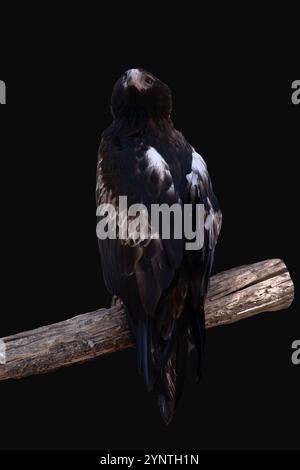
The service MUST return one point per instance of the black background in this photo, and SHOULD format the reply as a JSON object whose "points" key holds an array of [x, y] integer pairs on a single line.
{"points": [[232, 100]]}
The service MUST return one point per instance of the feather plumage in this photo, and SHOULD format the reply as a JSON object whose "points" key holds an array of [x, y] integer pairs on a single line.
{"points": [[162, 285]]}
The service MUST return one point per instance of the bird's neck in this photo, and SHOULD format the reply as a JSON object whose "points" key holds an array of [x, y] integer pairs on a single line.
{"points": [[163, 125], [138, 124]]}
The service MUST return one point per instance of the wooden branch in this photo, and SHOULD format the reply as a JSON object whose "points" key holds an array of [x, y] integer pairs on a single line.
{"points": [[233, 295]]}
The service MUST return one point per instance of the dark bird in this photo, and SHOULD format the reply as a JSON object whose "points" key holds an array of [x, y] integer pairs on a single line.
{"points": [[161, 283]]}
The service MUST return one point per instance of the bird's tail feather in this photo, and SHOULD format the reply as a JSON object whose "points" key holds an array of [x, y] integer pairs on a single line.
{"points": [[162, 358], [169, 387], [142, 334], [197, 335]]}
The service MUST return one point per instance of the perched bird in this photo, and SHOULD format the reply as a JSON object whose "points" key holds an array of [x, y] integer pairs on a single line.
{"points": [[161, 283]]}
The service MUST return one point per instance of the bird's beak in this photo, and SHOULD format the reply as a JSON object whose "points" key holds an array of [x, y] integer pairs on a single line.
{"points": [[134, 78]]}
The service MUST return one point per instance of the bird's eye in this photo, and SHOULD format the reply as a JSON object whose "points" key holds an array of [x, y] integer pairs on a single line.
{"points": [[149, 81]]}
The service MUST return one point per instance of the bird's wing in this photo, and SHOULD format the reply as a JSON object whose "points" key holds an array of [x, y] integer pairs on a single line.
{"points": [[199, 190], [138, 272]]}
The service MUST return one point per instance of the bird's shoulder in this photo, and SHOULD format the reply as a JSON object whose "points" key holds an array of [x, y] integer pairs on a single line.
{"points": [[152, 165]]}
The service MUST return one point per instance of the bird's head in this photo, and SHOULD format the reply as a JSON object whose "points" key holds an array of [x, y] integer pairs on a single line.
{"points": [[139, 93]]}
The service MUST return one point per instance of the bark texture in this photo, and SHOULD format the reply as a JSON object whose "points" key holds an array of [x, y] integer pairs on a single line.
{"points": [[233, 295]]}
